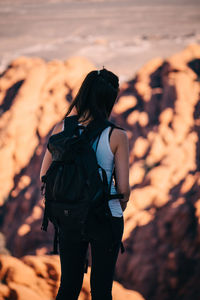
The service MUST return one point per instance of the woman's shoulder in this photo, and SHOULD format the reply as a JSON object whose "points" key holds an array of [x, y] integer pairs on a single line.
{"points": [[118, 138], [58, 127], [120, 134]]}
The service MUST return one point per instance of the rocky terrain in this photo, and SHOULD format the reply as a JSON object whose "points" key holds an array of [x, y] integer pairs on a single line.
{"points": [[37, 278], [160, 110]]}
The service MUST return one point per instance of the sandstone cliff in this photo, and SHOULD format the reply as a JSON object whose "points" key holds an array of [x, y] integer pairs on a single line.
{"points": [[160, 110], [34, 95]]}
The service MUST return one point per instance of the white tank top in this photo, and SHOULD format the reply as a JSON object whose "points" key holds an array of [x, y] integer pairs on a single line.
{"points": [[105, 159]]}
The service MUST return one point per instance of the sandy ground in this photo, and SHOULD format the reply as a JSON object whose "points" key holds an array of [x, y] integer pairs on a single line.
{"points": [[121, 35]]}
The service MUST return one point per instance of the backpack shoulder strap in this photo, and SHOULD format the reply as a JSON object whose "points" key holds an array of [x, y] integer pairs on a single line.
{"points": [[96, 128], [70, 123]]}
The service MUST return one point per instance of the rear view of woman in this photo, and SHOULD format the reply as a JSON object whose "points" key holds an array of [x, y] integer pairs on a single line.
{"points": [[94, 101]]}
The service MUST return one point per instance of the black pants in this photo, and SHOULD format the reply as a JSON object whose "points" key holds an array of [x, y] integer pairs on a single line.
{"points": [[104, 253]]}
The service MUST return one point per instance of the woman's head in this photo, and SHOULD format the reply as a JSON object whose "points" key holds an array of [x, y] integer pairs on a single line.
{"points": [[96, 96]]}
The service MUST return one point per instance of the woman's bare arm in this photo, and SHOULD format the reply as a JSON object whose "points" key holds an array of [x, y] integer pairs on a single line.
{"points": [[120, 146], [47, 156]]}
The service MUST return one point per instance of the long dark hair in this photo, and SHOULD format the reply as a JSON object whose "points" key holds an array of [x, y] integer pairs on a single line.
{"points": [[96, 96]]}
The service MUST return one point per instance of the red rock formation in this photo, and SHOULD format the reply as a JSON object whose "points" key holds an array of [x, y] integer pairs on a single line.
{"points": [[33, 97], [162, 229], [160, 110], [38, 277]]}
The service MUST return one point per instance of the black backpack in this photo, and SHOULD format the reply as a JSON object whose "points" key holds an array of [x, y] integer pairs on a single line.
{"points": [[73, 186]]}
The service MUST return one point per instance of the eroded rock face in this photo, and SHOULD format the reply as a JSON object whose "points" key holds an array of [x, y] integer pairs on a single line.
{"points": [[38, 278], [160, 110], [161, 235], [34, 96]]}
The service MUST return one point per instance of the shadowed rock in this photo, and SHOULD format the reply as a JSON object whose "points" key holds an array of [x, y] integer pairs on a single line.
{"points": [[160, 110]]}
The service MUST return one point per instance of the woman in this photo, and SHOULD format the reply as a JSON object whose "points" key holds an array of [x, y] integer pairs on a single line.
{"points": [[94, 101]]}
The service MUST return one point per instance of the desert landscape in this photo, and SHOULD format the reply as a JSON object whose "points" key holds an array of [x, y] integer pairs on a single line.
{"points": [[122, 35], [158, 105]]}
